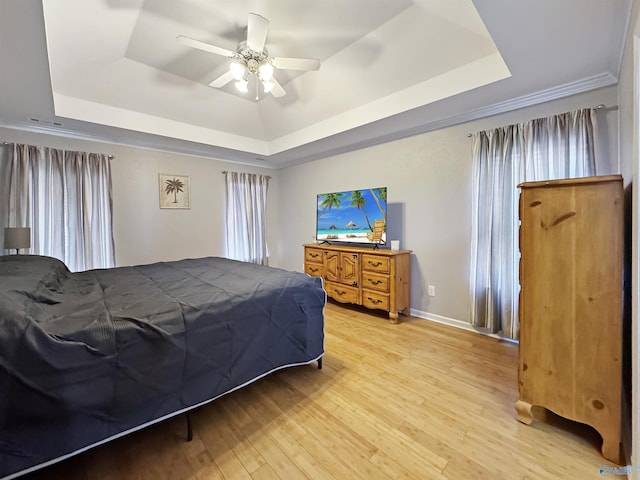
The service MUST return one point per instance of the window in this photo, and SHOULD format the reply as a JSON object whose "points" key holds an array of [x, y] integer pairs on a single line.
{"points": [[561, 146], [65, 198], [246, 195]]}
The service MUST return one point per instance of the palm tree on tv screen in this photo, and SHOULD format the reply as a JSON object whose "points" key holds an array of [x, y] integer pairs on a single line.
{"points": [[380, 194], [330, 200], [358, 201]]}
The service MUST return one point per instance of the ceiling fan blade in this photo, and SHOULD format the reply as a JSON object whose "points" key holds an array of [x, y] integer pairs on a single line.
{"points": [[222, 80], [277, 90], [257, 28], [190, 42], [295, 63]]}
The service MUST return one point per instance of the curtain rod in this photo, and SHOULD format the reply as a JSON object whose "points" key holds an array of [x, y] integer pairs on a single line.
{"points": [[110, 157], [600, 106], [224, 172]]}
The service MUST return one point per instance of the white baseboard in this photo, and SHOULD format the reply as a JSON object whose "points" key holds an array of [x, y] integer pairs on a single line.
{"points": [[452, 322], [627, 432]]}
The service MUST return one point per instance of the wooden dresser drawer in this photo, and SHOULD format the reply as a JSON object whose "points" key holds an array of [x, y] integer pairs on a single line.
{"points": [[313, 255], [372, 299], [374, 278], [313, 269], [375, 281], [375, 263], [342, 293]]}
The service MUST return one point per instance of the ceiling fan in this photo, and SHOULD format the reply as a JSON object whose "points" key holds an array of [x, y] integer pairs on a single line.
{"points": [[252, 58]]}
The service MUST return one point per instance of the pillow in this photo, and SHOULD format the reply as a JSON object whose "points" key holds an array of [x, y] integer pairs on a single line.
{"points": [[28, 272]]}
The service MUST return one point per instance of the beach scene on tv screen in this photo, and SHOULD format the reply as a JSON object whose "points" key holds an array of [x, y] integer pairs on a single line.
{"points": [[349, 216]]}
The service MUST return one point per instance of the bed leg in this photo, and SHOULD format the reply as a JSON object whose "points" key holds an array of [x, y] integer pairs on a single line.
{"points": [[320, 363], [189, 429]]}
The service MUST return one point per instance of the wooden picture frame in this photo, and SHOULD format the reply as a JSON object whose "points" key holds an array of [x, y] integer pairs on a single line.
{"points": [[175, 191]]}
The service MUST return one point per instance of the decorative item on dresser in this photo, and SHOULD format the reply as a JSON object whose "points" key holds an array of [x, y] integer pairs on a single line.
{"points": [[570, 303], [378, 279]]}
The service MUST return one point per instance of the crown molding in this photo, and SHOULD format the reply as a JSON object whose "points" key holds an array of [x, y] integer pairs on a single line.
{"points": [[142, 142], [572, 88], [566, 90], [602, 80], [338, 147]]}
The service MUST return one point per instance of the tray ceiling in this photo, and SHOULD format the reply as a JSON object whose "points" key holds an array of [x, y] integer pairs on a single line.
{"points": [[116, 72]]}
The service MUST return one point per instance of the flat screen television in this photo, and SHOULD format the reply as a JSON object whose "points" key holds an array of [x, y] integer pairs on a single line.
{"points": [[350, 216]]}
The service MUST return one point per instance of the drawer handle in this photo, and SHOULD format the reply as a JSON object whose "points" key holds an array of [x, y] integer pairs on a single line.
{"points": [[375, 282], [374, 300], [340, 293], [374, 264], [314, 255], [313, 269]]}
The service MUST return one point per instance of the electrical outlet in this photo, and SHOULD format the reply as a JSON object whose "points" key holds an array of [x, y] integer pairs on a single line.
{"points": [[431, 290]]}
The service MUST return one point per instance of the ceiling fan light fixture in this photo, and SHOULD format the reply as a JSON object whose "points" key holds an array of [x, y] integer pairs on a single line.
{"points": [[251, 58], [268, 86], [237, 69], [265, 72], [242, 85]]}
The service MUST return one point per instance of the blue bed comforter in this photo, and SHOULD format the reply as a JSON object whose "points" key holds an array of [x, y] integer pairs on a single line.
{"points": [[88, 356]]}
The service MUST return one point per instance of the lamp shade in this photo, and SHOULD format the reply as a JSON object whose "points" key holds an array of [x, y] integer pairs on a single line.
{"points": [[237, 69], [266, 72], [17, 237], [242, 85], [268, 86]]}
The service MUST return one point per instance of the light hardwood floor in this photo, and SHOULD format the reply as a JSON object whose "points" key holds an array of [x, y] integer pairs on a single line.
{"points": [[415, 400]]}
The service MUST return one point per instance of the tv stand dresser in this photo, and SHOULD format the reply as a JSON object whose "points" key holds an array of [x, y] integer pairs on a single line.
{"points": [[374, 278]]}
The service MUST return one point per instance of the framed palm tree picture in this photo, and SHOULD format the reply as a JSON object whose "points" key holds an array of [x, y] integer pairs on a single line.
{"points": [[174, 191]]}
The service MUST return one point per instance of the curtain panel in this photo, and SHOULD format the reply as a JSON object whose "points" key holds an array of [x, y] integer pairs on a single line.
{"points": [[246, 219], [560, 146], [65, 198]]}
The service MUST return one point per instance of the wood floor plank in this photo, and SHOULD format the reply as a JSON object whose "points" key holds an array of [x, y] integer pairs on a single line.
{"points": [[415, 457], [302, 457], [239, 443], [417, 400], [265, 472]]}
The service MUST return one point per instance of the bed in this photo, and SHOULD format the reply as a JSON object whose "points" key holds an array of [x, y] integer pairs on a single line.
{"points": [[90, 356]]}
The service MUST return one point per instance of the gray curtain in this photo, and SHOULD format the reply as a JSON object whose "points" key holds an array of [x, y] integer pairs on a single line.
{"points": [[65, 197], [561, 146], [246, 218]]}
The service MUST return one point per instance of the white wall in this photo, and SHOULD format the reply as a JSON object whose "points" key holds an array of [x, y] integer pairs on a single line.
{"points": [[429, 181], [143, 232], [629, 100]]}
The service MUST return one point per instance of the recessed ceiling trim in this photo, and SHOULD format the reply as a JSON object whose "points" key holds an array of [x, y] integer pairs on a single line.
{"points": [[594, 82], [189, 149], [473, 75], [50, 129], [573, 88], [88, 111]]}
